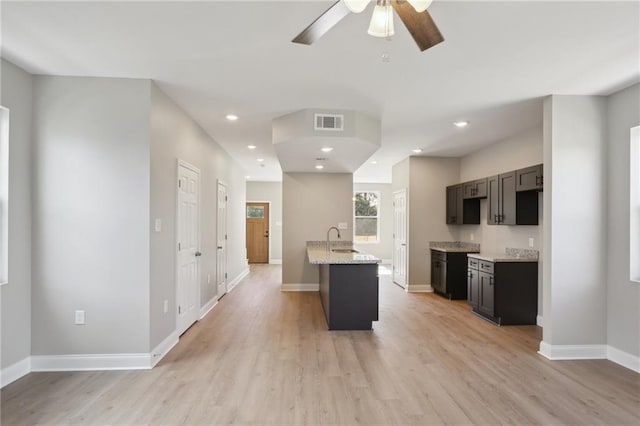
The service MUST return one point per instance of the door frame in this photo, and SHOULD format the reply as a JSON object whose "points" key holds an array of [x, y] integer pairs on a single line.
{"points": [[406, 233], [226, 243], [245, 223], [182, 163]]}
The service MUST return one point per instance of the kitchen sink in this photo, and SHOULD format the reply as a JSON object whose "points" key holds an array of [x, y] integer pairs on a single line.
{"points": [[344, 251]]}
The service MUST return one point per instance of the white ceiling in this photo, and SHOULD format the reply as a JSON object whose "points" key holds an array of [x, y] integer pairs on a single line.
{"points": [[215, 57]]}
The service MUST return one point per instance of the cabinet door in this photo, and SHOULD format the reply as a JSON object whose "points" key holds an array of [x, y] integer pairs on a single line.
{"points": [[492, 200], [480, 188], [452, 205], [529, 179], [472, 288], [469, 190], [485, 302], [507, 199], [438, 275]]}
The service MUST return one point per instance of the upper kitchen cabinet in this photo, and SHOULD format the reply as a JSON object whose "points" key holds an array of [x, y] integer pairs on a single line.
{"points": [[461, 211], [475, 189], [501, 199], [529, 179]]}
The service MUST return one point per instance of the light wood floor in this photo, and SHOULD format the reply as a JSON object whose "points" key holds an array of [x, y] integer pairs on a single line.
{"points": [[266, 357]]}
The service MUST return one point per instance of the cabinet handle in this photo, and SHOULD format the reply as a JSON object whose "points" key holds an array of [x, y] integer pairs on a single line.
{"points": [[495, 218]]}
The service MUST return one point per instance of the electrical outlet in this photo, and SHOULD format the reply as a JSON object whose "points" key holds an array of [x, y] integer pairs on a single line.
{"points": [[208, 278], [343, 225], [472, 237], [79, 317], [530, 242], [165, 307], [158, 225]]}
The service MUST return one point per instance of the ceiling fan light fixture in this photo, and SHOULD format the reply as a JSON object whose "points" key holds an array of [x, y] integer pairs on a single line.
{"points": [[381, 24], [420, 5], [356, 6]]}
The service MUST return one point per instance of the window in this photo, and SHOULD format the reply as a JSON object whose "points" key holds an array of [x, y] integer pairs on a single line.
{"points": [[634, 206], [366, 217], [255, 212], [4, 195]]}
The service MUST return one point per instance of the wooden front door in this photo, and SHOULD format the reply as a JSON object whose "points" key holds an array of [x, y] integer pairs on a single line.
{"points": [[257, 215]]}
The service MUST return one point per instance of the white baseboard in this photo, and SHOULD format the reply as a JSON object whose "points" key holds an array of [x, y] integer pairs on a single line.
{"points": [[15, 371], [539, 322], [558, 352], [419, 288], [208, 307], [275, 262], [625, 359], [569, 352], [300, 287], [163, 348], [140, 361], [234, 282]]}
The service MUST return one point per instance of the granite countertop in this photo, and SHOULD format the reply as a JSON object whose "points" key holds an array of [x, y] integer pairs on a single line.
{"points": [[509, 255], [318, 255], [454, 246]]}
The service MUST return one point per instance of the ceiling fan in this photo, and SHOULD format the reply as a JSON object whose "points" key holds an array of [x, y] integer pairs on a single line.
{"points": [[413, 13]]}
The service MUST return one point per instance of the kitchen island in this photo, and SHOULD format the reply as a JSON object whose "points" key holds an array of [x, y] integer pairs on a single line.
{"points": [[348, 285]]}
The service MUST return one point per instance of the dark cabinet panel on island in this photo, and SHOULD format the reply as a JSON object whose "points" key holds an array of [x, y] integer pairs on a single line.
{"points": [[503, 292]]}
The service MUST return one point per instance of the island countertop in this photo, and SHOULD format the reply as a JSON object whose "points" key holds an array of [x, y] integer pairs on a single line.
{"points": [[318, 254]]}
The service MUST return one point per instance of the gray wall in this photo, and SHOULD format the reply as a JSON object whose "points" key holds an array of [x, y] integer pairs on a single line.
{"points": [[575, 189], [623, 296], [16, 95], [90, 215], [311, 203], [383, 247], [272, 192], [518, 151], [174, 135]]}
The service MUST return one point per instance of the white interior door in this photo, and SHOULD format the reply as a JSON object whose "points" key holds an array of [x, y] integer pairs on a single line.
{"points": [[400, 238], [188, 233], [221, 252]]}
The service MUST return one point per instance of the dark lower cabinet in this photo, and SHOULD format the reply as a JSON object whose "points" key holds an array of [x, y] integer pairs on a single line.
{"points": [[505, 293], [349, 295], [448, 274]]}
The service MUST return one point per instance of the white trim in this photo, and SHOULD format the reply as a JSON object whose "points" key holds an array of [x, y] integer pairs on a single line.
{"points": [[15, 371], [140, 361], [234, 282], [625, 359], [300, 287], [560, 352], [163, 348], [539, 321], [419, 288], [275, 262], [208, 307]]}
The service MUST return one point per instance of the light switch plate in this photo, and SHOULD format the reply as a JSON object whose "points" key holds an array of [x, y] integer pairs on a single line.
{"points": [[158, 225], [278, 223], [79, 317], [530, 242], [343, 225], [165, 306], [472, 237]]}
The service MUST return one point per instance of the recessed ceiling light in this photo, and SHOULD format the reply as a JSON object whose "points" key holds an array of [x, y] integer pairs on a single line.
{"points": [[417, 150], [231, 117], [461, 124], [260, 160], [251, 146], [374, 162], [319, 166], [247, 177], [327, 149]]}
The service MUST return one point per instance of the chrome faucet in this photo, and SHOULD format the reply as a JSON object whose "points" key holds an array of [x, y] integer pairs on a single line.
{"points": [[328, 242]]}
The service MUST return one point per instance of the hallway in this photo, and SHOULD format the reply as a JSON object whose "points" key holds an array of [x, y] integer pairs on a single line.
{"points": [[262, 356]]}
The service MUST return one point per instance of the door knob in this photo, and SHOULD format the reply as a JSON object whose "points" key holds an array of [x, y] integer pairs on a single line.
{"points": [[198, 254]]}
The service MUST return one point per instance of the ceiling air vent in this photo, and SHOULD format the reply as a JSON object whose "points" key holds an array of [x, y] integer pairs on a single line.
{"points": [[329, 122]]}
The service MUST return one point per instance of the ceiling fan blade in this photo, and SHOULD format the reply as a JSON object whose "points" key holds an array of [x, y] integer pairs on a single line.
{"points": [[420, 25], [324, 23]]}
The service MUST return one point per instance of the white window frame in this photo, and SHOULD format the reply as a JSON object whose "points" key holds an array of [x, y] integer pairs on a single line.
{"points": [[4, 195], [634, 205], [377, 240]]}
